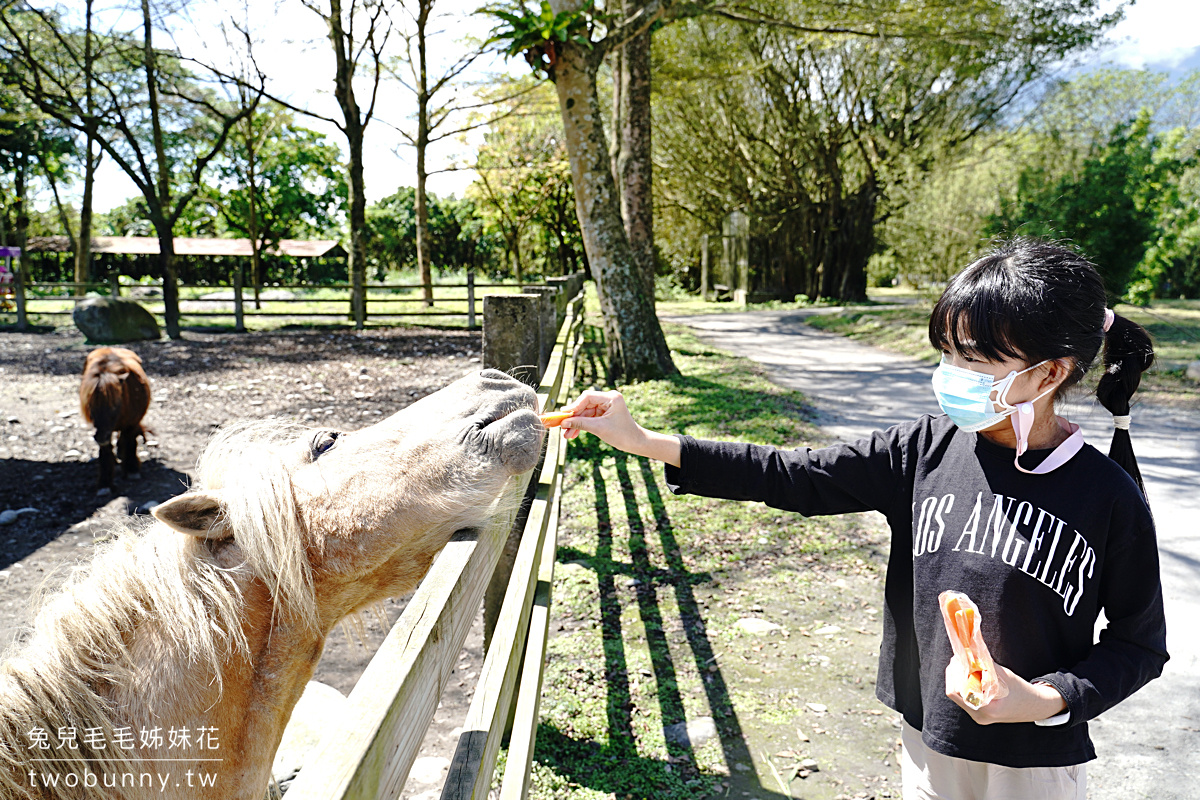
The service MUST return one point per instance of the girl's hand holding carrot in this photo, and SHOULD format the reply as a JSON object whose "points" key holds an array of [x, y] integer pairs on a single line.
{"points": [[605, 415]]}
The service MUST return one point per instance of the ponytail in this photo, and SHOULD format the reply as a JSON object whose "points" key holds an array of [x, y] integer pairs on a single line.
{"points": [[1128, 352]]}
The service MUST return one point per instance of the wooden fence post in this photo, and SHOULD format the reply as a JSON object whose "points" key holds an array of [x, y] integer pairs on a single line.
{"points": [[239, 324], [704, 267], [19, 289], [470, 299]]}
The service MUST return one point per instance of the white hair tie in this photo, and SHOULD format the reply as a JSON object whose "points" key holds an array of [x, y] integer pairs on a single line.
{"points": [[1121, 422]]}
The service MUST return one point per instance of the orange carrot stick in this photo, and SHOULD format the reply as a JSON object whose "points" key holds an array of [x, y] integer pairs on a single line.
{"points": [[554, 418]]}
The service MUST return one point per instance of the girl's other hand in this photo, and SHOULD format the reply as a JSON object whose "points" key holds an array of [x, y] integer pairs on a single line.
{"points": [[1025, 701]]}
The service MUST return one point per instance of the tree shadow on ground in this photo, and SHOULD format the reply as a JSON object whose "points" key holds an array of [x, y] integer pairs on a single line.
{"points": [[64, 494], [616, 766]]}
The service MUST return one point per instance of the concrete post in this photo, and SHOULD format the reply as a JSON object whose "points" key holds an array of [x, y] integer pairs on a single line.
{"points": [[562, 298], [548, 321], [512, 339], [512, 342]]}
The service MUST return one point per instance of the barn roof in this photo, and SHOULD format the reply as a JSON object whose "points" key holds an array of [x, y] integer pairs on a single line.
{"points": [[185, 246]]}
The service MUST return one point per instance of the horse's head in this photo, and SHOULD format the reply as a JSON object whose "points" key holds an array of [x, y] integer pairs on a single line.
{"points": [[349, 518]]}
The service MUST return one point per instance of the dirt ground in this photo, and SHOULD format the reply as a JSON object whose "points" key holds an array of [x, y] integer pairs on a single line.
{"points": [[337, 379]]}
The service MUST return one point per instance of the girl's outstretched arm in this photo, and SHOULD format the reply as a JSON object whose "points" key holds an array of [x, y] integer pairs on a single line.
{"points": [[605, 415]]}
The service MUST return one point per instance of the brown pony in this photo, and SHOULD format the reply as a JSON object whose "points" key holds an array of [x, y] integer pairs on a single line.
{"points": [[114, 397]]}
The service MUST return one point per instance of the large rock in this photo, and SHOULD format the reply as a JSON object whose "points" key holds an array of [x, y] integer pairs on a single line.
{"points": [[112, 320], [1193, 371]]}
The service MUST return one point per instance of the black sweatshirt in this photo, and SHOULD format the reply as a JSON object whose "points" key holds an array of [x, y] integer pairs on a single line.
{"points": [[1040, 555]]}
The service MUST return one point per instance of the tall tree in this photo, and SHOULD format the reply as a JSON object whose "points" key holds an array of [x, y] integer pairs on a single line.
{"points": [[358, 32], [91, 157], [431, 115], [443, 110], [149, 115], [568, 40], [557, 41], [813, 135], [633, 166]]}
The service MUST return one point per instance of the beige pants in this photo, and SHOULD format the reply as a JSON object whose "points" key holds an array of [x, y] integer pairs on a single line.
{"points": [[927, 775]]}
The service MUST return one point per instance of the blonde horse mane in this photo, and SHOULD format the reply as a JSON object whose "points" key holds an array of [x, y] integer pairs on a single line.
{"points": [[82, 662], [146, 627]]}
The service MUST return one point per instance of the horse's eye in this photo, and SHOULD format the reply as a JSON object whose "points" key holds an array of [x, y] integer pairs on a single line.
{"points": [[323, 442]]}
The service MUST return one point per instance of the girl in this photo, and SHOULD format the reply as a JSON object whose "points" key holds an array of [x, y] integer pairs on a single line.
{"points": [[998, 498]]}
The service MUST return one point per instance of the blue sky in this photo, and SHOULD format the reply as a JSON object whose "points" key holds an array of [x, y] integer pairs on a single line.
{"points": [[1155, 34]]}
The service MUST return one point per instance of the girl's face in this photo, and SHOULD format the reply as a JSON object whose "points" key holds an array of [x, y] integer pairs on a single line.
{"points": [[1025, 387]]}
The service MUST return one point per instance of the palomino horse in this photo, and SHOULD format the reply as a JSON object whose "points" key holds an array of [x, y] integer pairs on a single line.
{"points": [[174, 660], [114, 397]]}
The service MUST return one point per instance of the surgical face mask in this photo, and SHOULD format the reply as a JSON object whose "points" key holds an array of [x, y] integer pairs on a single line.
{"points": [[966, 396]]}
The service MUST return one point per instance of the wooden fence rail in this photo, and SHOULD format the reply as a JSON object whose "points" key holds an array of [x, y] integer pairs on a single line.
{"points": [[460, 304], [368, 755]]}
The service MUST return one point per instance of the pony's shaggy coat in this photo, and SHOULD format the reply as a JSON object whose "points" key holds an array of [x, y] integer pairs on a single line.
{"points": [[165, 630], [114, 396]]}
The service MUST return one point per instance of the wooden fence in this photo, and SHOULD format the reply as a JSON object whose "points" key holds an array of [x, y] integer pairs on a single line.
{"points": [[383, 299], [368, 754]]}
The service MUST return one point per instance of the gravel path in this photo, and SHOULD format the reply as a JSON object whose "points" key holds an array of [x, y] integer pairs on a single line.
{"points": [[1147, 746]]}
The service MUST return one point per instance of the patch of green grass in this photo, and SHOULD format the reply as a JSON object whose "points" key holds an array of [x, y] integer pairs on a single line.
{"points": [[640, 644], [901, 330], [1175, 326]]}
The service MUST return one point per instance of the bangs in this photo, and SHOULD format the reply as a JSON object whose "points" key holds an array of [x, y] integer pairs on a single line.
{"points": [[978, 315]]}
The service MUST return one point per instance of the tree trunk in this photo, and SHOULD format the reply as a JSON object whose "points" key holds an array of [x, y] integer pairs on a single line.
{"points": [[518, 265], [353, 128], [21, 232], [634, 166], [637, 348], [83, 250], [166, 268], [358, 227], [255, 240], [166, 240], [857, 234], [422, 209]]}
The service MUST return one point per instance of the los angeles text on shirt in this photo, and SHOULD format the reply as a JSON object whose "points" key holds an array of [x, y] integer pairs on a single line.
{"points": [[1019, 533]]}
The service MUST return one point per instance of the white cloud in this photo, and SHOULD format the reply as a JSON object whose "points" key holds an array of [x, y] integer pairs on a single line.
{"points": [[1155, 33]]}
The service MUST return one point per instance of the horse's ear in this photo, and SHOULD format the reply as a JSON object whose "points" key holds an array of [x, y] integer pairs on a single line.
{"points": [[196, 514]]}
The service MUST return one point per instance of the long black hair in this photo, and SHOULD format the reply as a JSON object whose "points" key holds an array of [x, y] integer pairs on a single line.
{"points": [[1036, 300]]}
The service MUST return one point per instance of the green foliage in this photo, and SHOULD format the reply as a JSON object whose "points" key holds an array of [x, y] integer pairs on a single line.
{"points": [[457, 236], [524, 191], [1110, 208], [774, 121], [1069, 155], [299, 181], [537, 31]]}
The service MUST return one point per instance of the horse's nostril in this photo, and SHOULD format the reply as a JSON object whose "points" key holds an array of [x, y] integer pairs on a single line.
{"points": [[495, 374]]}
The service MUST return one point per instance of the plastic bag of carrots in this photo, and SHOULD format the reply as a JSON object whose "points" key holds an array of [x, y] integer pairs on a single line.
{"points": [[981, 684]]}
